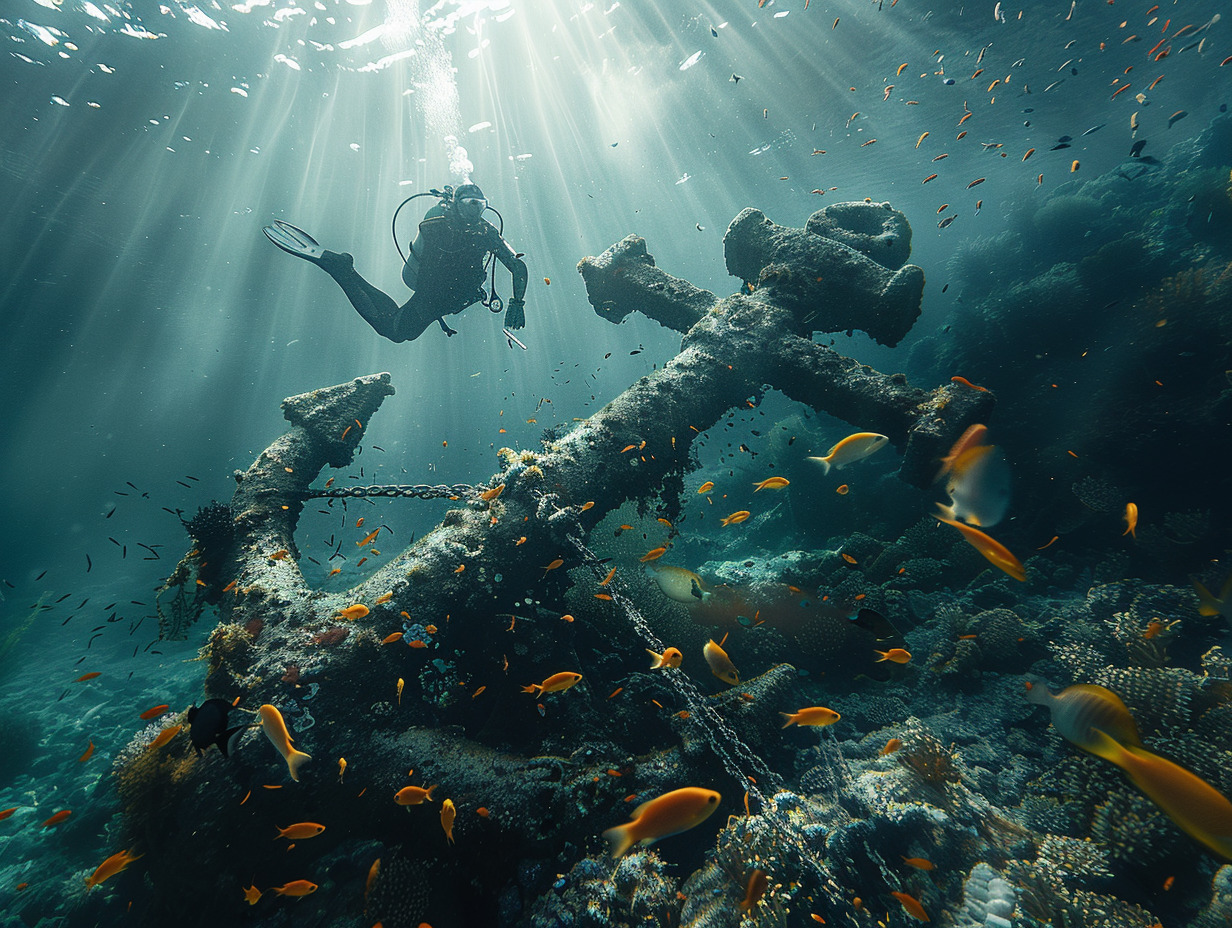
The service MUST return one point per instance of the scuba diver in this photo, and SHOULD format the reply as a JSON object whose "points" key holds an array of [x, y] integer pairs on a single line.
{"points": [[446, 266]]}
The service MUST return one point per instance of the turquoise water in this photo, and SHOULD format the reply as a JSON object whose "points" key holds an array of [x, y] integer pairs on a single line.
{"points": [[151, 332]]}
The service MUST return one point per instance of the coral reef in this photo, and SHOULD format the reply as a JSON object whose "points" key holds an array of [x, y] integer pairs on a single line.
{"points": [[938, 784]]}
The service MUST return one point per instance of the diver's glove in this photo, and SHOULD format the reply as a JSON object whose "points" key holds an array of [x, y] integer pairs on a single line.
{"points": [[515, 314]]}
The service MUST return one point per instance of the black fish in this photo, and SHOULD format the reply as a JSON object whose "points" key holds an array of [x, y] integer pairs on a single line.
{"points": [[1059, 147], [882, 628], [1066, 138], [1136, 149], [208, 725]]}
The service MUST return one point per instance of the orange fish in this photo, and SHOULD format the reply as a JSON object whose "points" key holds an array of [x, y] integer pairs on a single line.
{"points": [[996, 553], [891, 746], [671, 657], [164, 736], [587, 505], [665, 815], [342, 765], [275, 729], [391, 638], [6, 813], [552, 566], [402, 683], [153, 713], [448, 814], [279, 555], [488, 495], [384, 598], [705, 487], [414, 795], [842, 490], [556, 683], [109, 868], [919, 863], [655, 553], [755, 889], [973, 437], [87, 755], [771, 483], [58, 818], [300, 831], [963, 380], [252, 895], [897, 655], [1131, 519], [88, 676], [815, 716], [608, 579], [912, 905], [297, 888], [358, 611], [736, 517]]}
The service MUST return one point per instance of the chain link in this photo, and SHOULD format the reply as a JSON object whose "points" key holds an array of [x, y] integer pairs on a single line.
{"points": [[398, 490]]}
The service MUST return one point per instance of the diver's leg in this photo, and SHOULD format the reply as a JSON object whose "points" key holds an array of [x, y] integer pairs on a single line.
{"points": [[377, 308]]}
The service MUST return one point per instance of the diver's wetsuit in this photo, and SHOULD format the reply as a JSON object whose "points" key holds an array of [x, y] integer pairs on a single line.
{"points": [[450, 276]]}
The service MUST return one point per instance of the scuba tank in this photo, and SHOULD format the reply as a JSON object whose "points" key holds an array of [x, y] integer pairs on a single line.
{"points": [[410, 261]]}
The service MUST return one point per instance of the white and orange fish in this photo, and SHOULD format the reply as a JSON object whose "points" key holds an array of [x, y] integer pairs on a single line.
{"points": [[855, 447]]}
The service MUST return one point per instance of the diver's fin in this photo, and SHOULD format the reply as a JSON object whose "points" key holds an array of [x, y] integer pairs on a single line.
{"points": [[294, 240]]}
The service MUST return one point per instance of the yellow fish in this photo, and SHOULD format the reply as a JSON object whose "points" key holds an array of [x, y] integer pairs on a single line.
{"points": [[736, 517], [855, 447], [706, 487], [679, 584], [1209, 604], [771, 483], [1200, 810], [1131, 520], [666, 815], [816, 716], [1081, 710], [996, 553], [275, 729], [671, 657], [720, 664], [554, 684], [448, 814]]}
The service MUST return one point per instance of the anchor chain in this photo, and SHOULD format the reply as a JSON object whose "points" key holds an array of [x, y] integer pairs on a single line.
{"points": [[397, 491]]}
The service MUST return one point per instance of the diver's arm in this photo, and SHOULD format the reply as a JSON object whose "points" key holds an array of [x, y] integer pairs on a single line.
{"points": [[516, 267]]}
